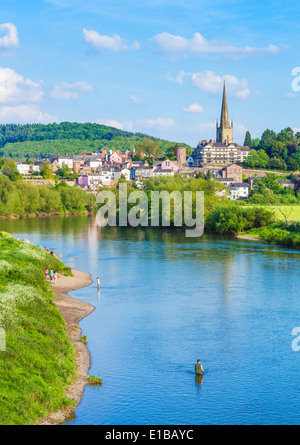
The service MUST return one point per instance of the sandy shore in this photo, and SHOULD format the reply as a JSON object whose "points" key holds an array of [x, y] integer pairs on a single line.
{"points": [[73, 311], [248, 237]]}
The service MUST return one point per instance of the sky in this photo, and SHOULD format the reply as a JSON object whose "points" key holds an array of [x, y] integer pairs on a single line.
{"points": [[154, 66]]}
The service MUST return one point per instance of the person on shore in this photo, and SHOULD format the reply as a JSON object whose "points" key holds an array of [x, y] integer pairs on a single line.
{"points": [[199, 368], [51, 276], [46, 274], [55, 277]]}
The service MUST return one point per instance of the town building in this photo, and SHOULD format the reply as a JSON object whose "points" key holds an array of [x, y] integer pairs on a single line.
{"points": [[239, 191], [181, 155], [223, 150]]}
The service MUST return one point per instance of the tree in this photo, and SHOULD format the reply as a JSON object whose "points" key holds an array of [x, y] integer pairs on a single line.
{"points": [[150, 148], [279, 150], [268, 140], [9, 169], [66, 172], [257, 159], [277, 164], [46, 171], [248, 141]]}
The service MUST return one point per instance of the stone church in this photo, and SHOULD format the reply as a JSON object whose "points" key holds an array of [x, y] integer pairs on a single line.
{"points": [[222, 151]]}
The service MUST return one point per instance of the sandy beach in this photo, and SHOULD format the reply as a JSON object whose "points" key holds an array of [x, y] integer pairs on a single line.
{"points": [[73, 311], [248, 237]]}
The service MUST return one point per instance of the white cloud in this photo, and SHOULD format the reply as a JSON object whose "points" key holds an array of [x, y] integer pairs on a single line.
{"points": [[24, 114], [194, 108], [125, 125], [113, 43], [135, 99], [138, 125], [172, 44], [213, 83], [67, 91], [10, 38], [178, 79], [289, 95], [14, 88], [160, 122]]}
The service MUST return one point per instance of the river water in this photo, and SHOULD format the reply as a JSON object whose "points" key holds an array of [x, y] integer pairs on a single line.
{"points": [[165, 301]]}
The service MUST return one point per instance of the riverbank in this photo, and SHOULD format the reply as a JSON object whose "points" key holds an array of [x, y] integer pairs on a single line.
{"points": [[45, 215], [73, 311], [40, 373]]}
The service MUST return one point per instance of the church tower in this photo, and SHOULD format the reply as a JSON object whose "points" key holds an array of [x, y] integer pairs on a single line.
{"points": [[225, 130]]}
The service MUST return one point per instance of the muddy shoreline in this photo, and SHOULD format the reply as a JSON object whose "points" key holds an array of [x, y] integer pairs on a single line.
{"points": [[73, 311]]}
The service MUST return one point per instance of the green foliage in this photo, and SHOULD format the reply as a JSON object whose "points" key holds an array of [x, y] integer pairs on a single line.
{"points": [[17, 199], [148, 147], [46, 171], [275, 151], [248, 141], [280, 233], [9, 169], [93, 380], [232, 219], [268, 191], [38, 363], [257, 159], [37, 140]]}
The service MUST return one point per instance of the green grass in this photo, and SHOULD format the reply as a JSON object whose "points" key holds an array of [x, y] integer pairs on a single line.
{"points": [[292, 211], [38, 363], [93, 380]]}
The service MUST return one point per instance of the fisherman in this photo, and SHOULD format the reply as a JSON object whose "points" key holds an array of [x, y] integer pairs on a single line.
{"points": [[199, 368]]}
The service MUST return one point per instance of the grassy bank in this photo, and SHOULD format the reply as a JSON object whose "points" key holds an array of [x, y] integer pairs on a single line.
{"points": [[292, 212], [38, 362], [278, 233]]}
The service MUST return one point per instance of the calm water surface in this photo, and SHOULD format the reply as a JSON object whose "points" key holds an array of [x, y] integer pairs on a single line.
{"points": [[167, 300]]}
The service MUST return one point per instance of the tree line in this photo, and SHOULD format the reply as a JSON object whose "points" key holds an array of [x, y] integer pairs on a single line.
{"points": [[276, 151]]}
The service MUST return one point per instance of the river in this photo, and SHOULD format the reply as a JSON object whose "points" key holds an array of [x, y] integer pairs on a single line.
{"points": [[165, 301]]}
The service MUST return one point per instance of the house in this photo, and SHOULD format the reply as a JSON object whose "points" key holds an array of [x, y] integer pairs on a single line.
{"points": [[251, 180], [26, 169], [239, 191], [286, 183], [167, 164], [115, 158], [190, 162], [138, 173], [226, 181], [164, 172], [233, 171]]}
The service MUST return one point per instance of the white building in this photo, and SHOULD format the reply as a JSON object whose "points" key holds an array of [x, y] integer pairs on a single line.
{"points": [[239, 191], [26, 169]]}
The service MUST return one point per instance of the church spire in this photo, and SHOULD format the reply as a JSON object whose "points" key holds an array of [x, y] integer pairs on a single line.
{"points": [[224, 113], [225, 130]]}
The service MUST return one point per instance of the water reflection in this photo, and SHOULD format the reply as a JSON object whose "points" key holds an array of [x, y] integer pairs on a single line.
{"points": [[199, 379]]}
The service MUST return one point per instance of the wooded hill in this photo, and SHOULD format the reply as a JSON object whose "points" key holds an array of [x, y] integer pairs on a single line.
{"points": [[38, 140]]}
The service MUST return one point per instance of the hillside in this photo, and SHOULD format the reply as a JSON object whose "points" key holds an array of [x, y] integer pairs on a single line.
{"points": [[37, 140]]}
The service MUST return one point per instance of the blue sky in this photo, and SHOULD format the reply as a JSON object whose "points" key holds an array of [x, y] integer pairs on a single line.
{"points": [[153, 66]]}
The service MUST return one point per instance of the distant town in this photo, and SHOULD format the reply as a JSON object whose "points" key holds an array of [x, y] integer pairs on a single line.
{"points": [[222, 159]]}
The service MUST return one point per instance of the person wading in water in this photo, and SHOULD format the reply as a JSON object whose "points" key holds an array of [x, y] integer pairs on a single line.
{"points": [[199, 368]]}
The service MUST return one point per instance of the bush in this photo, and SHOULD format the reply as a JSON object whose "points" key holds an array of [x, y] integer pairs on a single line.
{"points": [[232, 219]]}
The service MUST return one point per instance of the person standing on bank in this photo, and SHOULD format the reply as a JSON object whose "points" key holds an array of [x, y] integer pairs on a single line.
{"points": [[199, 368]]}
